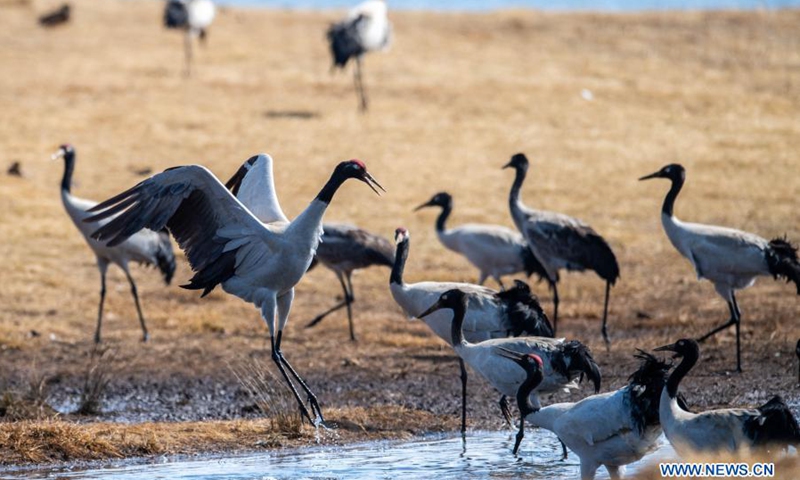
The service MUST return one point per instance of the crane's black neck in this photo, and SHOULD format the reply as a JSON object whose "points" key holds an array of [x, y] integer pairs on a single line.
{"points": [[400, 256], [456, 328], [442, 219], [69, 167], [519, 178], [524, 393], [690, 357], [329, 190], [669, 200]]}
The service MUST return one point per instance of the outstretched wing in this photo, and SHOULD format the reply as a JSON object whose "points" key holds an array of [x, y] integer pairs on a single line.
{"points": [[217, 233], [254, 185]]}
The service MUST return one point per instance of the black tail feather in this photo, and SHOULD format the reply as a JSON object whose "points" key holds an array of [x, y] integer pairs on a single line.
{"points": [[646, 385], [775, 426], [581, 361], [782, 261], [524, 312], [532, 264], [344, 40], [165, 256]]}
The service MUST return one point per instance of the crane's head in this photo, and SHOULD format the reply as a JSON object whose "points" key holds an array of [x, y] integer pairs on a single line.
{"points": [[356, 169], [518, 162], [530, 362], [441, 199], [401, 235], [682, 348], [673, 171], [63, 151], [451, 299]]}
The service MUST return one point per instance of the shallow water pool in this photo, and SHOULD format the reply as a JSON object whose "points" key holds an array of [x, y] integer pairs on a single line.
{"points": [[483, 454]]}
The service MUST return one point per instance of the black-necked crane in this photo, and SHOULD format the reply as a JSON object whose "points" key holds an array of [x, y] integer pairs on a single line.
{"points": [[561, 242], [730, 259], [227, 245], [366, 28], [564, 362], [491, 314], [193, 17], [493, 249], [611, 429], [729, 430], [146, 247], [344, 249]]}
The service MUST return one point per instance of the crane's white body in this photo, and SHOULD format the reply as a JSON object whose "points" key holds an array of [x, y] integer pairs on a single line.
{"points": [[504, 374], [494, 250], [375, 31], [139, 248], [730, 259], [714, 431], [600, 430], [201, 14]]}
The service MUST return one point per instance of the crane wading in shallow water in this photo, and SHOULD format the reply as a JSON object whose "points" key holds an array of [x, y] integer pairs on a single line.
{"points": [[193, 17], [731, 430], [146, 246], [610, 429], [366, 28], [561, 242], [226, 244], [491, 314], [730, 259], [494, 250]]}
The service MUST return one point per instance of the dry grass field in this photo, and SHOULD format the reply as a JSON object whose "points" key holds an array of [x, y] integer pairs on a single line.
{"points": [[453, 99]]}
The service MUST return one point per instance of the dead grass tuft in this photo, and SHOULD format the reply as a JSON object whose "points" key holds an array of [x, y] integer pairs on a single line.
{"points": [[29, 403], [98, 375]]}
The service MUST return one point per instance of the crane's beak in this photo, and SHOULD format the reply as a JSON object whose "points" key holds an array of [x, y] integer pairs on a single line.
{"points": [[668, 348], [60, 153], [370, 180], [652, 175], [507, 165], [436, 306], [426, 204], [510, 354]]}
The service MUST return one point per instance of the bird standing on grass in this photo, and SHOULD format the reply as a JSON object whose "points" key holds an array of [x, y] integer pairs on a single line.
{"points": [[561, 242], [494, 250], [729, 430], [193, 17], [226, 244], [491, 314], [730, 259], [366, 28], [343, 249], [611, 429], [147, 247], [564, 362]]}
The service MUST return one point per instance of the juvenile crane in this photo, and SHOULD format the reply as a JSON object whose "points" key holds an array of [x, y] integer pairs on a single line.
{"points": [[730, 259], [731, 430], [193, 17], [490, 315], [342, 248], [494, 250], [345, 248], [611, 429], [226, 244], [564, 362], [561, 242], [147, 247], [366, 28]]}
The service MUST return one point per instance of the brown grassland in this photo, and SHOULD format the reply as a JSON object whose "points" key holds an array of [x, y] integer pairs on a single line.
{"points": [[453, 99]]}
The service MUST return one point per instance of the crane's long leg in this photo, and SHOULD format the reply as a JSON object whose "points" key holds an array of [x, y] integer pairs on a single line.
{"points": [[604, 330], [729, 323], [500, 282], [554, 287], [350, 297], [362, 93], [738, 332], [187, 52], [339, 305], [135, 294], [268, 312], [564, 453], [463, 395], [284, 303], [102, 265], [520, 433]]}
